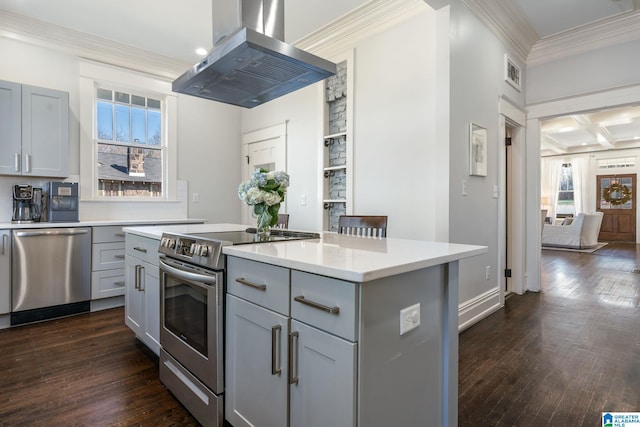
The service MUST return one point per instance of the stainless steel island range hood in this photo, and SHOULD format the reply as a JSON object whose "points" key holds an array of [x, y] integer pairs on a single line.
{"points": [[249, 63]]}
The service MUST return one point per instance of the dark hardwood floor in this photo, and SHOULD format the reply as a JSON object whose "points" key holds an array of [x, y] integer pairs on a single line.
{"points": [[85, 370], [562, 356], [555, 358]]}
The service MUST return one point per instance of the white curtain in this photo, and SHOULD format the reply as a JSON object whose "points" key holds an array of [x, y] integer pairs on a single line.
{"points": [[579, 172], [555, 170]]}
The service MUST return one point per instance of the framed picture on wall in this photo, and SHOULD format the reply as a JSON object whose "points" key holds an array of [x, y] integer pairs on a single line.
{"points": [[511, 72], [477, 150]]}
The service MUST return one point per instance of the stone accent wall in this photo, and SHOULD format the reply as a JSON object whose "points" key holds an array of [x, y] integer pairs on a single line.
{"points": [[336, 98]]}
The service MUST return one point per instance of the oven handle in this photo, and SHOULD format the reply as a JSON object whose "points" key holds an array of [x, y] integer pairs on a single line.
{"points": [[181, 274]]}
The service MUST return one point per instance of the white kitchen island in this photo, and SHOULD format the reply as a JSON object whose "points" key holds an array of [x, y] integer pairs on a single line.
{"points": [[314, 332]]}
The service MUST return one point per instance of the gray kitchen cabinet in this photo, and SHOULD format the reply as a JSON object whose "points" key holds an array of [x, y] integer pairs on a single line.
{"points": [[315, 358], [5, 271], [256, 365], [34, 131], [107, 262], [323, 377], [142, 290]]}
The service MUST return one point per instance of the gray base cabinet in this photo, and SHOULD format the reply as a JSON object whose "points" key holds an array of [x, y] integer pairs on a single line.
{"points": [[281, 371], [323, 374], [256, 365], [142, 290], [346, 363], [5, 271]]}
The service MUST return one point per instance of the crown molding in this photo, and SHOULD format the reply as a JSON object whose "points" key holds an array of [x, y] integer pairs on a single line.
{"points": [[365, 21], [507, 21], [605, 33], [18, 27]]}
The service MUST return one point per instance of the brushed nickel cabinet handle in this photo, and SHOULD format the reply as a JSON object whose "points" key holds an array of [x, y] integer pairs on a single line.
{"points": [[120, 283], [139, 249], [118, 256], [28, 165], [276, 357], [17, 162], [120, 234], [4, 243], [142, 284], [136, 284], [293, 379], [258, 286], [331, 310]]}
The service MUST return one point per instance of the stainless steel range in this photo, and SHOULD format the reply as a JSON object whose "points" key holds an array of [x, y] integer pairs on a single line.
{"points": [[192, 316]]}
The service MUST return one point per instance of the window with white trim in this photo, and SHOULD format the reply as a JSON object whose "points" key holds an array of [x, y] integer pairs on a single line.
{"points": [[129, 143]]}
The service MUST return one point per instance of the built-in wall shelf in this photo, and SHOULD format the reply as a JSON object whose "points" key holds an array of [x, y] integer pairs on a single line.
{"points": [[336, 178], [328, 139]]}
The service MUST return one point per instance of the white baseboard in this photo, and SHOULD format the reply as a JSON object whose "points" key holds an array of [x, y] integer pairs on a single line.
{"points": [[472, 311]]}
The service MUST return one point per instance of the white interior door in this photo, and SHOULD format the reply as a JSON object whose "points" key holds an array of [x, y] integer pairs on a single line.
{"points": [[266, 149]]}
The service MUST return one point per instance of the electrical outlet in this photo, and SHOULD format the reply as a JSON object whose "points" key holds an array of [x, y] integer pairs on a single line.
{"points": [[196, 197], [409, 318], [487, 273], [303, 200]]}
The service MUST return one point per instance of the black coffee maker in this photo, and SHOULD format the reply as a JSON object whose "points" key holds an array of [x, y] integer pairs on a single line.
{"points": [[27, 203]]}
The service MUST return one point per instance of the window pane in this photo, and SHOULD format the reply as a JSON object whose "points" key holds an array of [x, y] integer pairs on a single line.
{"points": [[138, 125], [105, 94], [154, 122], [122, 123], [153, 103], [122, 97], [129, 171], [105, 121], [138, 100]]}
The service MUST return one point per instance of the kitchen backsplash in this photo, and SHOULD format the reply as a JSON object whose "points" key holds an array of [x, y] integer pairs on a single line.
{"points": [[6, 188], [91, 211]]}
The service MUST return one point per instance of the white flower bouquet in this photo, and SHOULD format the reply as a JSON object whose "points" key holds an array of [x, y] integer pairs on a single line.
{"points": [[265, 191]]}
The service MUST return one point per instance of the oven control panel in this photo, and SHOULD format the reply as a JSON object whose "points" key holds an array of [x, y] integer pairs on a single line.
{"points": [[197, 251]]}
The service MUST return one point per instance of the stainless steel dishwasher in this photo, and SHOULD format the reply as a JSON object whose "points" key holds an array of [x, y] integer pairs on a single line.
{"points": [[50, 273]]}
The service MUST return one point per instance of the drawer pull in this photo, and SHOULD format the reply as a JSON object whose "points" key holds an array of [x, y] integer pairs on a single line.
{"points": [[139, 249], [258, 286], [121, 283], [331, 310], [118, 256], [121, 234]]}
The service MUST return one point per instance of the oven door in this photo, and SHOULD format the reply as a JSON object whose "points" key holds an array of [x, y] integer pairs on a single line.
{"points": [[191, 320]]}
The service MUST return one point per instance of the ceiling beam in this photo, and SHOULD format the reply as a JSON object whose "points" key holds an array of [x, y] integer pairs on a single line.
{"points": [[601, 135], [552, 144]]}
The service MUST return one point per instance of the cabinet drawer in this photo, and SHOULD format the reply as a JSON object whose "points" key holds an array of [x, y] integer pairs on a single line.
{"points": [[107, 256], [109, 233], [107, 283], [143, 248], [328, 304], [263, 284]]}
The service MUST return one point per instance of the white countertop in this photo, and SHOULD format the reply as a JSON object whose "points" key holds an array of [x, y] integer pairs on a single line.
{"points": [[97, 223], [356, 259], [155, 232]]}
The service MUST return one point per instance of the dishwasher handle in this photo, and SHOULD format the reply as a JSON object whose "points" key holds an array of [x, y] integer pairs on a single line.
{"points": [[54, 232]]}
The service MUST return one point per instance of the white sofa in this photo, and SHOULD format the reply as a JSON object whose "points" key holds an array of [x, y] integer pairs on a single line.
{"points": [[582, 233]]}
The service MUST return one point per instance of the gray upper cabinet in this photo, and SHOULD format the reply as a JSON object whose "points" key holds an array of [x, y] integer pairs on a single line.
{"points": [[34, 131]]}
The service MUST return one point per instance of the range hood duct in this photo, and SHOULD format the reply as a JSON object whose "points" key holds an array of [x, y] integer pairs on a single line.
{"points": [[249, 63]]}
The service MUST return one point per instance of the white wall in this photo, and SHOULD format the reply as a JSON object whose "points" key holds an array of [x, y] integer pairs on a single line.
{"points": [[596, 70], [477, 83], [301, 110], [394, 133], [208, 141]]}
